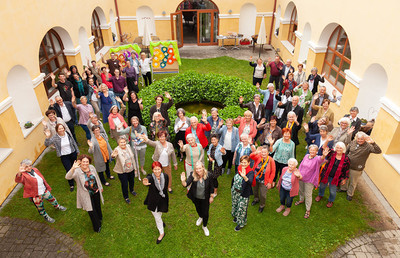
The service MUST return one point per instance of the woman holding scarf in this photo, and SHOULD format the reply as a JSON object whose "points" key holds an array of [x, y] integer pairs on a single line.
{"points": [[313, 80], [335, 172], [157, 196], [116, 119], [241, 191]]}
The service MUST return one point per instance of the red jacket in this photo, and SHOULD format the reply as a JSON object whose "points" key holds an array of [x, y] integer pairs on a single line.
{"points": [[30, 183], [253, 128], [270, 169], [286, 85], [200, 133], [295, 183]]}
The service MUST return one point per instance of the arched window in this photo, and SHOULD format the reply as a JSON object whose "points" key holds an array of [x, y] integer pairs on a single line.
{"points": [[337, 58], [293, 27], [98, 41], [51, 58]]}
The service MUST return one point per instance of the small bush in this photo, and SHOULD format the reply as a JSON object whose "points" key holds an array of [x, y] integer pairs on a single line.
{"points": [[194, 87]]}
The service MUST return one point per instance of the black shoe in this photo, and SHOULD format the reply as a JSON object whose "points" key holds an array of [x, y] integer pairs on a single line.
{"points": [[134, 193], [260, 210], [234, 220], [128, 201], [163, 224], [170, 191], [159, 241], [237, 228], [349, 198], [254, 203], [98, 231], [341, 191], [71, 189]]}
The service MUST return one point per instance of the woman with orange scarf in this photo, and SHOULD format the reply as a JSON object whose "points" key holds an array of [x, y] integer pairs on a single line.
{"points": [[116, 120]]}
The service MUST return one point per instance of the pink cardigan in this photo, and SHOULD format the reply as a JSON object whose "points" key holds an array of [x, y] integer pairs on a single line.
{"points": [[253, 127], [295, 183]]}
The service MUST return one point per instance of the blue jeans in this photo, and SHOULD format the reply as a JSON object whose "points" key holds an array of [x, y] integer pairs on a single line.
{"points": [[119, 94], [285, 197], [87, 131], [332, 190], [268, 114]]}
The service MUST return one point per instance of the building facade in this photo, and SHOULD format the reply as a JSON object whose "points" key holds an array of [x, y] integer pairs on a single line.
{"points": [[352, 42]]}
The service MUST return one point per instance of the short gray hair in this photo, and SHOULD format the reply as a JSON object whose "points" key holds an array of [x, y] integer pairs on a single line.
{"points": [[361, 135], [270, 85], [314, 69], [293, 160], [342, 145], [313, 146], [180, 110], [189, 136], [257, 96], [345, 120], [323, 127], [244, 135], [214, 109], [27, 162], [354, 109], [290, 113], [194, 118]]}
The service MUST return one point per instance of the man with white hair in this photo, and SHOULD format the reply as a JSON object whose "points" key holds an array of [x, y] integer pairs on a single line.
{"points": [[321, 96], [66, 111], [293, 106], [270, 102], [355, 121], [36, 188], [358, 152]]}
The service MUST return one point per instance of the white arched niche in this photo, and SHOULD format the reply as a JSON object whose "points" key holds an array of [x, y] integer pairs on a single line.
{"points": [[113, 20], [306, 37], [84, 43], [372, 88], [145, 16], [277, 20], [24, 101], [247, 20]]}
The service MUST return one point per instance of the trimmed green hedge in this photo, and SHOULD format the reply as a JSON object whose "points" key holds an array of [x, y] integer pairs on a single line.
{"points": [[195, 87]]}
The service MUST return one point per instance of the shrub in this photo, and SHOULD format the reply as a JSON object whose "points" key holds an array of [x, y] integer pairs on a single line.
{"points": [[194, 87]]}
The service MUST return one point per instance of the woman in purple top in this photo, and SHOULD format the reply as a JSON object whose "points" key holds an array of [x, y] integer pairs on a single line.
{"points": [[309, 169], [84, 110], [131, 77]]}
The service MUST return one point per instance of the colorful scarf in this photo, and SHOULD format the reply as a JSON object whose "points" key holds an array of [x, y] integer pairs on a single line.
{"points": [[335, 180]]}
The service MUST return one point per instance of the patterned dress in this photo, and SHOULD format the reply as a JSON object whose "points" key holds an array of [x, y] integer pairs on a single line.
{"points": [[213, 166], [239, 203]]}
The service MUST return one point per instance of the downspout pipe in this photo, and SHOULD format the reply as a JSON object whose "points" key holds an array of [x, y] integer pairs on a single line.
{"points": [[272, 23], [119, 21]]}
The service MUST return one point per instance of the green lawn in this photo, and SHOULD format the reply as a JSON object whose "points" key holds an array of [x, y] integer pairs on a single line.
{"points": [[129, 230]]}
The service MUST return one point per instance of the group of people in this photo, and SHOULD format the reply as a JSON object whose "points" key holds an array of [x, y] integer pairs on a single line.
{"points": [[262, 148]]}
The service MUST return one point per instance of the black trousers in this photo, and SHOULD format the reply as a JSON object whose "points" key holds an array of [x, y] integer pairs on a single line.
{"points": [[68, 161], [257, 80], [96, 216], [70, 125], [101, 174], [147, 78], [127, 179], [279, 167], [228, 158], [275, 79], [202, 208], [130, 81]]}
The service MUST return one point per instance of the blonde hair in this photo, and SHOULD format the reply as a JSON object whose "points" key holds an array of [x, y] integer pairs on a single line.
{"points": [[155, 115], [195, 175], [248, 112]]}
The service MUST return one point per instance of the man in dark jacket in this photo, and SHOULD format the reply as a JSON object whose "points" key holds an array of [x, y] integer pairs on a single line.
{"points": [[66, 111]]}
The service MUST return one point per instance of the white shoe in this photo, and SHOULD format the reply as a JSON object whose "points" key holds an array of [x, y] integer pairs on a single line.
{"points": [[199, 221], [206, 232]]}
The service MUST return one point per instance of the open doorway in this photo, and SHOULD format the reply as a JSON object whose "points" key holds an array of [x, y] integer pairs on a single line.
{"points": [[195, 22]]}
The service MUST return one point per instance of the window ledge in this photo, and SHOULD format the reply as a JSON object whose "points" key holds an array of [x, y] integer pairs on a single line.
{"points": [[27, 132], [393, 160], [103, 51], [4, 153], [288, 46]]}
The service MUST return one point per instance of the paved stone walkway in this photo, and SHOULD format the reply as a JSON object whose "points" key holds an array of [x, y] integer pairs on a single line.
{"points": [[380, 244], [25, 238]]}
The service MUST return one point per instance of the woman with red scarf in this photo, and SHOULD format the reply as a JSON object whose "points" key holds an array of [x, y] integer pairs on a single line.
{"points": [[116, 120], [334, 173], [241, 191]]}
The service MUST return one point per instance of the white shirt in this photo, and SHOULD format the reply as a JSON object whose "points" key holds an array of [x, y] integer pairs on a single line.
{"points": [[41, 187], [164, 158], [145, 65], [246, 129], [228, 140], [65, 145], [65, 114], [259, 71], [117, 122], [179, 124]]}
